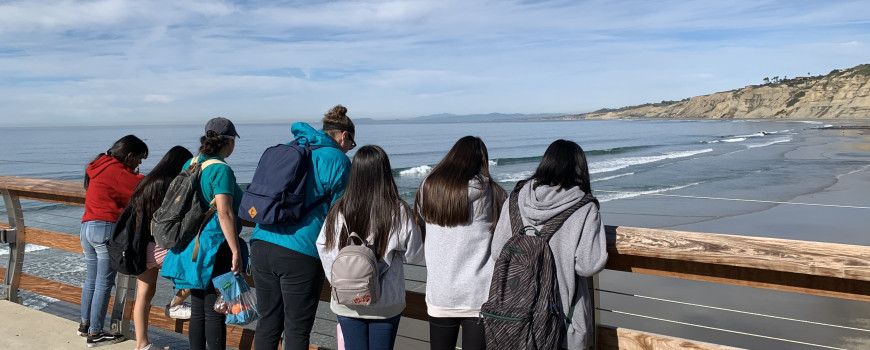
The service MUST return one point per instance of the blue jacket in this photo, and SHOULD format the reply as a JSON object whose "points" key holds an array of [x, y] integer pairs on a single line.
{"points": [[330, 167], [178, 266]]}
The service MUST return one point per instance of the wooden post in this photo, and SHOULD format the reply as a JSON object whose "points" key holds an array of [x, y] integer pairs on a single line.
{"points": [[16, 247]]}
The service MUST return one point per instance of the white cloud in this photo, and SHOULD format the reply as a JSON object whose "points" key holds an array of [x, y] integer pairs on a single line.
{"points": [[105, 58], [158, 98]]}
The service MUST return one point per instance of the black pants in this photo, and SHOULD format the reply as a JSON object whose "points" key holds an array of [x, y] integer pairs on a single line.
{"points": [[288, 285], [206, 325], [444, 331]]}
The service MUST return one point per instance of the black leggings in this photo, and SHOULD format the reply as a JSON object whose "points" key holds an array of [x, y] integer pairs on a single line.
{"points": [[288, 285], [206, 325], [443, 332]]}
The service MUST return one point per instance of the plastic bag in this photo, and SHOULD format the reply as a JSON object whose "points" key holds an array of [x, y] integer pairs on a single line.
{"points": [[237, 299]]}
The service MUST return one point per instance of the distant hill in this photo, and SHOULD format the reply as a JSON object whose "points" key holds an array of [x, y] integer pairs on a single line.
{"points": [[454, 118], [841, 94]]}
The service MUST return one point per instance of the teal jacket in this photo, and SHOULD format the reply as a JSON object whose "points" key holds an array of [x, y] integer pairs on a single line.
{"points": [[329, 167], [178, 265]]}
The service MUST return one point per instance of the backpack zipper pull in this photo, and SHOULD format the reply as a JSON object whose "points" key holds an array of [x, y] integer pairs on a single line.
{"points": [[479, 317]]}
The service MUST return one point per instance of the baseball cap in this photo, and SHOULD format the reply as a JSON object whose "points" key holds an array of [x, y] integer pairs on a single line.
{"points": [[221, 127]]}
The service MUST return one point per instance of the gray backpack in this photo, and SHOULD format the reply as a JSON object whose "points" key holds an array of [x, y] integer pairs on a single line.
{"points": [[355, 277]]}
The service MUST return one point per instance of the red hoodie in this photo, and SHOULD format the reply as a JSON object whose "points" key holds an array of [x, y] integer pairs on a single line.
{"points": [[112, 183]]}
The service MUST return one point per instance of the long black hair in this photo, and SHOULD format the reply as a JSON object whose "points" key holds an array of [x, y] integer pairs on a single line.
{"points": [[148, 195], [121, 150], [370, 204], [564, 166], [445, 191]]}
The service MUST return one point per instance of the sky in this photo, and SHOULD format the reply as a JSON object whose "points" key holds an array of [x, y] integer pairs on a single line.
{"points": [[109, 62]]}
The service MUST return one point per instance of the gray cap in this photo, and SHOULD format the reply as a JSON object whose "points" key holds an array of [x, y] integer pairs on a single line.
{"points": [[221, 127]]}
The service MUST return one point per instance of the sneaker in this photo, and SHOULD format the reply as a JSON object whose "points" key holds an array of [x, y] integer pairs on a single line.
{"points": [[83, 330], [178, 311], [104, 339], [151, 346]]}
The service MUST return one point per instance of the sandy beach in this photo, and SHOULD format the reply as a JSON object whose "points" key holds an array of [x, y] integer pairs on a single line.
{"points": [[834, 210]]}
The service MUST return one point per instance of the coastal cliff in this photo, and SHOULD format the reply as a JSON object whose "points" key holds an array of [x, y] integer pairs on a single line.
{"points": [[841, 94]]}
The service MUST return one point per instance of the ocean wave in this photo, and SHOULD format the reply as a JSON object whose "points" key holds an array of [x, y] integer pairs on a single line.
{"points": [[622, 163], [422, 170], [612, 177], [787, 139], [514, 177], [27, 249], [623, 195]]}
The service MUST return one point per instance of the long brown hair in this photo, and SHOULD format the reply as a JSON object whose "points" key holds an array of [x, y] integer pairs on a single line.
{"points": [[149, 194], [370, 204], [445, 191]]}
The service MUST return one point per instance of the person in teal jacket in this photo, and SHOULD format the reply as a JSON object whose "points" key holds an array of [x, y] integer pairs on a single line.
{"points": [[284, 260], [220, 250]]}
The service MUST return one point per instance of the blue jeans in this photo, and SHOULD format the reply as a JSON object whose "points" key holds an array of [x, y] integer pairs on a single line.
{"points": [[368, 334], [100, 277]]}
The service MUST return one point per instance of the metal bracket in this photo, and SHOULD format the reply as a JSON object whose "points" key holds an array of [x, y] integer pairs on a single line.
{"points": [[8, 235]]}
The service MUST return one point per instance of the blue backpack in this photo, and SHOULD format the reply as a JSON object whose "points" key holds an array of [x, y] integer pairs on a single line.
{"points": [[276, 195]]}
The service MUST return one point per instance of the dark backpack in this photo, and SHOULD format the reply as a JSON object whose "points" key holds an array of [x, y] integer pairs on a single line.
{"points": [[128, 245], [183, 213], [524, 309], [276, 194]]}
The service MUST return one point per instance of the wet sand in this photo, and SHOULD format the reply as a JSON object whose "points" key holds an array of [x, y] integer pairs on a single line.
{"points": [[838, 212]]}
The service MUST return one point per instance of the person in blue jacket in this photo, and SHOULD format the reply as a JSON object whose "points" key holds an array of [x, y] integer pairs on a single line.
{"points": [[284, 259], [219, 250]]}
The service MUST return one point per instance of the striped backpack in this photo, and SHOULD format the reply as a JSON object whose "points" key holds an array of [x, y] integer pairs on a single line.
{"points": [[524, 309]]}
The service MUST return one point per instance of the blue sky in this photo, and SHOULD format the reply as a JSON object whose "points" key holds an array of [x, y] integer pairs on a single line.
{"points": [[133, 62]]}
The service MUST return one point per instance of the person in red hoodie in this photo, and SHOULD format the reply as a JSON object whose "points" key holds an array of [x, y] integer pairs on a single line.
{"points": [[109, 182]]}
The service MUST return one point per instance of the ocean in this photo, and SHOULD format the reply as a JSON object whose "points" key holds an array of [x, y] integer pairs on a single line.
{"points": [[675, 174]]}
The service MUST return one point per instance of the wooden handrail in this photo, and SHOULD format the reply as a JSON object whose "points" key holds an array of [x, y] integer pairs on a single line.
{"points": [[827, 269]]}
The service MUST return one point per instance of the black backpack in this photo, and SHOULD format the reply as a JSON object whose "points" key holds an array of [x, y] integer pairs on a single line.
{"points": [[276, 194], [183, 213], [128, 245], [524, 309]]}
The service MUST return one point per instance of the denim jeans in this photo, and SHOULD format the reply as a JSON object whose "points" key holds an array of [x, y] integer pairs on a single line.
{"points": [[369, 334], [100, 277]]}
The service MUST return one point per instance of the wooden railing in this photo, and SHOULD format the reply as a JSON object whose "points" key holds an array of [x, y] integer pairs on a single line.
{"points": [[825, 269]]}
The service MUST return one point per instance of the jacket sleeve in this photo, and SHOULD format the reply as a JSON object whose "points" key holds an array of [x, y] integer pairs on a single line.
{"points": [[591, 253], [326, 256], [413, 240], [502, 232]]}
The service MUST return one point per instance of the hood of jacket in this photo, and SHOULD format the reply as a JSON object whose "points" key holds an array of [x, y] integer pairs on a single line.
{"points": [[314, 137], [99, 165], [541, 204], [477, 187]]}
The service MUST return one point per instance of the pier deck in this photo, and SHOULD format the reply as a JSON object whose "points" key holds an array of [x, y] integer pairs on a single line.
{"points": [[24, 328]]}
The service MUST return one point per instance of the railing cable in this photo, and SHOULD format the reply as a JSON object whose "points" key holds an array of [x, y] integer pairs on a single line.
{"points": [[737, 199], [735, 311], [722, 329]]}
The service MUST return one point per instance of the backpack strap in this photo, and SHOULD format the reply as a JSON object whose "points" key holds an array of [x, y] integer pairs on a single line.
{"points": [[514, 210], [211, 205]]}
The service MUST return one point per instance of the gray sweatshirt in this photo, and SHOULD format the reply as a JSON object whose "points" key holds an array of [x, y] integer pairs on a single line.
{"points": [[579, 248], [405, 245], [458, 264]]}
